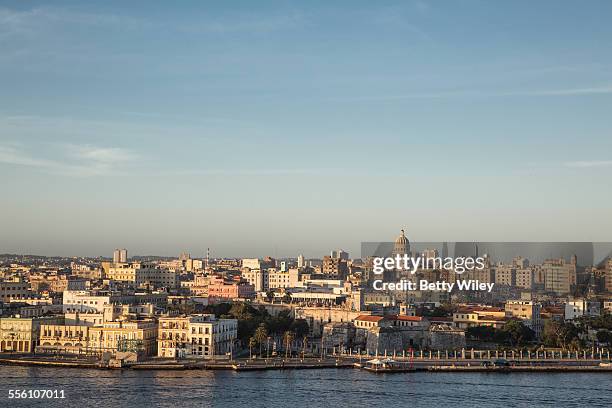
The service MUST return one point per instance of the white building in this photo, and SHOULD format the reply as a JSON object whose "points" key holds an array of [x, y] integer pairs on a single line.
{"points": [[581, 307], [84, 301], [196, 336]]}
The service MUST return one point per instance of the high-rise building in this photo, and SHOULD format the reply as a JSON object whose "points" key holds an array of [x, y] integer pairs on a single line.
{"points": [[300, 261], [336, 267], [340, 254], [560, 276], [120, 255]]}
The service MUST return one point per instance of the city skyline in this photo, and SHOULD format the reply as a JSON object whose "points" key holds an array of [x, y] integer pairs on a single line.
{"points": [[293, 128]]}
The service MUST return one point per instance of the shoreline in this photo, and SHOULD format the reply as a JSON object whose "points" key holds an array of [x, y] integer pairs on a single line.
{"points": [[310, 364]]}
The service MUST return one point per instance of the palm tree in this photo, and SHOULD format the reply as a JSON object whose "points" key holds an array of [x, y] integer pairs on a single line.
{"points": [[288, 337], [304, 341], [252, 343], [261, 335]]}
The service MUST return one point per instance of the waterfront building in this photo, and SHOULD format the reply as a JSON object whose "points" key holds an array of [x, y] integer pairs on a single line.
{"points": [[19, 334], [472, 316], [138, 336], [197, 336]]}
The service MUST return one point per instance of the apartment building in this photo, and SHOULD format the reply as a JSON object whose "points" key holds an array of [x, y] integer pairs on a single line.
{"points": [[21, 335], [559, 275], [139, 274], [471, 316], [85, 301], [14, 289], [528, 312], [221, 289], [138, 336], [581, 307], [336, 267], [196, 336]]}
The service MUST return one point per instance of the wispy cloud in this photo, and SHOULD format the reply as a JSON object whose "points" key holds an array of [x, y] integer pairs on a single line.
{"points": [[248, 172], [604, 89], [20, 22], [599, 90], [80, 161], [589, 163]]}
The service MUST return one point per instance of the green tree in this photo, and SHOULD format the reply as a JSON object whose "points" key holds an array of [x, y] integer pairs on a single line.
{"points": [[261, 335], [561, 334], [300, 327], [604, 336], [483, 333], [517, 333]]}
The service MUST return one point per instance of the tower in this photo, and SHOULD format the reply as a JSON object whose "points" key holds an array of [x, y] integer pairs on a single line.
{"points": [[401, 246]]}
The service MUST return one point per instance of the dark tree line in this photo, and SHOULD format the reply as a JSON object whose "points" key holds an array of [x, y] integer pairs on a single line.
{"points": [[257, 323]]}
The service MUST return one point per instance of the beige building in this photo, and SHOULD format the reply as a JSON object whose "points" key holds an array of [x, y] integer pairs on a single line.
{"points": [[283, 279], [559, 275], [472, 316], [14, 289], [21, 335], [256, 277], [525, 278], [197, 336], [505, 275], [137, 336], [335, 267], [528, 312], [140, 274], [608, 276]]}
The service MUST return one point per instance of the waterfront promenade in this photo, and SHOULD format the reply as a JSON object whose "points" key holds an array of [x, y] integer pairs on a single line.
{"points": [[463, 360]]}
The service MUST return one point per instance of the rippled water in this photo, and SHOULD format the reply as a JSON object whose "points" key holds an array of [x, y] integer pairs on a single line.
{"points": [[305, 388]]}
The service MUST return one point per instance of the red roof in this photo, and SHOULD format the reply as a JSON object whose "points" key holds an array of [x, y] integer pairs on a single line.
{"points": [[369, 318]]}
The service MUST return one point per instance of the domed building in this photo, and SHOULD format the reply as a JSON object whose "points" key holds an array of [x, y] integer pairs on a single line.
{"points": [[402, 245]]}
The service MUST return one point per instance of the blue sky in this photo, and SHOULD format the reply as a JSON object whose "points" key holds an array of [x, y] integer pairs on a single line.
{"points": [[296, 127]]}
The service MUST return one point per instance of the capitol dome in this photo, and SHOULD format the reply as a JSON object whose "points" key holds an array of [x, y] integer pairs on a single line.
{"points": [[402, 245], [401, 240]]}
